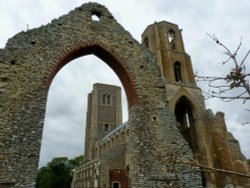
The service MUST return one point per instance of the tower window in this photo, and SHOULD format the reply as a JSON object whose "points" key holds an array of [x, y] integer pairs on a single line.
{"points": [[106, 99], [177, 71], [106, 127], [172, 39]]}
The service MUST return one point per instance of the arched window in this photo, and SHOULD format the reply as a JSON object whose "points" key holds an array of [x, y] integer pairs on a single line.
{"points": [[183, 114], [116, 184], [106, 99], [177, 71], [172, 39]]}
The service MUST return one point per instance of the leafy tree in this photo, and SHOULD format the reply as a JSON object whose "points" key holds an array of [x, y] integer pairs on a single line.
{"points": [[45, 178], [77, 161], [58, 172]]}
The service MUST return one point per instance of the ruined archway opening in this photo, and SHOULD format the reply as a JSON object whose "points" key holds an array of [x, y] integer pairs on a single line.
{"points": [[94, 149], [67, 103], [184, 116]]}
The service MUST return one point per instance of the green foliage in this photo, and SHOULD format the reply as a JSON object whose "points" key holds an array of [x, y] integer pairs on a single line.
{"points": [[58, 172], [77, 161]]}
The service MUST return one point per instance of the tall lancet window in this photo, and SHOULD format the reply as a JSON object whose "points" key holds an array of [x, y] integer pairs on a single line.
{"points": [[183, 114], [177, 71], [172, 39]]}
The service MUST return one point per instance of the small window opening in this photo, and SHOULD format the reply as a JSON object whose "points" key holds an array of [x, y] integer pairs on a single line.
{"points": [[106, 99], [172, 39], [116, 185], [95, 16], [106, 127], [177, 72]]}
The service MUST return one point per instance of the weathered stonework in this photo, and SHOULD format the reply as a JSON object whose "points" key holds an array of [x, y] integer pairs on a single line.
{"points": [[206, 133], [30, 61]]}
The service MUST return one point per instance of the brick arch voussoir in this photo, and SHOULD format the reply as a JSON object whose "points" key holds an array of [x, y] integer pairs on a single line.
{"points": [[79, 49]]}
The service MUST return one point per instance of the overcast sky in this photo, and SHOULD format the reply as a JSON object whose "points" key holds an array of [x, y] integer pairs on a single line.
{"points": [[66, 106]]}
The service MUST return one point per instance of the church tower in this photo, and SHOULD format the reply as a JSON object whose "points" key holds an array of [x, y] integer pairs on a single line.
{"points": [[164, 40], [205, 132], [104, 114]]}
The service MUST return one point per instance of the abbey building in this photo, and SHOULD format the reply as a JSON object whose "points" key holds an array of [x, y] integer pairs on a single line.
{"points": [[170, 138], [107, 138]]}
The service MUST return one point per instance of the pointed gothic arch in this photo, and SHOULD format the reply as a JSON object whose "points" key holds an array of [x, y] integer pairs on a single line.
{"points": [[185, 118], [102, 51]]}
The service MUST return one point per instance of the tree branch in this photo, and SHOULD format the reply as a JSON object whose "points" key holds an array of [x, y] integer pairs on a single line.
{"points": [[236, 79]]}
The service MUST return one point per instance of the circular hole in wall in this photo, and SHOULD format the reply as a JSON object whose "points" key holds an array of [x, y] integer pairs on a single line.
{"points": [[95, 16]]}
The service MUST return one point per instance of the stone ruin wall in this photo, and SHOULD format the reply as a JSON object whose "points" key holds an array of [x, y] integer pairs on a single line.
{"points": [[28, 64]]}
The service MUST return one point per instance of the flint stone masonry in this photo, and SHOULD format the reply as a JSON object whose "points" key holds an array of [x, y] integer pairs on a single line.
{"points": [[28, 64], [161, 91], [214, 147]]}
